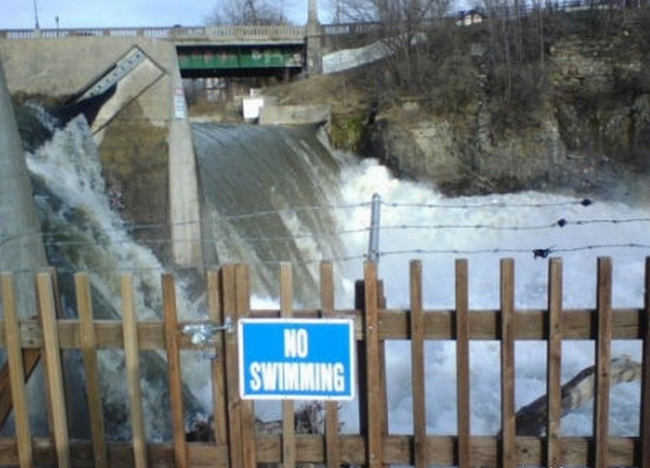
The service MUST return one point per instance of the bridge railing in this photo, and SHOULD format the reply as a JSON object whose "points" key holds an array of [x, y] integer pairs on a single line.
{"points": [[349, 28], [175, 33]]}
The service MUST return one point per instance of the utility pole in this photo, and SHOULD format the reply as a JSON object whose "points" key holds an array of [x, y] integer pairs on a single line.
{"points": [[37, 27]]}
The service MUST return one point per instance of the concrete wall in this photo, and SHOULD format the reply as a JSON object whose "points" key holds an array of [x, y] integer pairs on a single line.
{"points": [[145, 140], [295, 115]]}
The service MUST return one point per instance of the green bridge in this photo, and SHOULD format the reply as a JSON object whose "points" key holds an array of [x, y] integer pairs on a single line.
{"points": [[222, 51], [219, 50], [241, 50], [199, 61], [214, 51]]}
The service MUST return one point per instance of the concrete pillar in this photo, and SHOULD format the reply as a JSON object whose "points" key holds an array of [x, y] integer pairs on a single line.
{"points": [[312, 15], [314, 41], [21, 243], [184, 202]]}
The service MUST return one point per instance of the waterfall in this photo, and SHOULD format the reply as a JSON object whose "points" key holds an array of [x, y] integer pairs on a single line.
{"points": [[267, 198], [273, 194], [254, 177], [84, 232]]}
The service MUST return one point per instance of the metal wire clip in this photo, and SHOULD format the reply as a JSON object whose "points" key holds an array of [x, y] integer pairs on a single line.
{"points": [[203, 333]]}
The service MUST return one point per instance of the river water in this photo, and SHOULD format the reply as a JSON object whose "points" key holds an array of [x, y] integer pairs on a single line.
{"points": [[273, 195]]}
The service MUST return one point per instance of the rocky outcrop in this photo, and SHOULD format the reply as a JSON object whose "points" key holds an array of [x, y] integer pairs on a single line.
{"points": [[595, 108]]}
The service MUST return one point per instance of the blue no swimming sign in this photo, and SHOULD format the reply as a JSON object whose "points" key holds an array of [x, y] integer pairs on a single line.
{"points": [[301, 359]]}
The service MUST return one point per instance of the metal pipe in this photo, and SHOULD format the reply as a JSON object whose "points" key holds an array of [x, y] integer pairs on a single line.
{"points": [[373, 243]]}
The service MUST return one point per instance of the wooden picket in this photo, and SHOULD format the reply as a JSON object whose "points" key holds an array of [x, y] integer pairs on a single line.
{"points": [[462, 363], [91, 366], [644, 449], [554, 363], [132, 355], [235, 439]]}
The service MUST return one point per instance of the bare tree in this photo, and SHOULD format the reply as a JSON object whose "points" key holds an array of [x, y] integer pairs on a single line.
{"points": [[405, 26], [249, 12]]}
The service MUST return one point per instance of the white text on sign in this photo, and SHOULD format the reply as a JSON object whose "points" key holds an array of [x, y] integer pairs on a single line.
{"points": [[296, 358]]}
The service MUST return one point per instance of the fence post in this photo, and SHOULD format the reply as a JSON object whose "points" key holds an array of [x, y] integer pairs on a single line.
{"points": [[332, 450], [132, 355], [54, 371], [417, 366], [508, 450], [644, 449], [554, 363], [174, 367], [235, 443], [288, 410], [603, 358], [242, 309], [220, 413], [17, 372], [462, 363], [88, 340], [375, 406]]}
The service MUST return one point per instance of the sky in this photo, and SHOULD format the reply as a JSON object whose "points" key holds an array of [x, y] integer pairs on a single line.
{"points": [[20, 14]]}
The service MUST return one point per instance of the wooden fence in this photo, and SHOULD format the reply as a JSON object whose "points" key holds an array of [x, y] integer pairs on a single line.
{"points": [[235, 441]]}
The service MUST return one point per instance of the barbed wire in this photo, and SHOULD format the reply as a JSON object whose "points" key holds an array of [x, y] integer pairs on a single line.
{"points": [[326, 208], [536, 253], [560, 223], [585, 202], [55, 239]]}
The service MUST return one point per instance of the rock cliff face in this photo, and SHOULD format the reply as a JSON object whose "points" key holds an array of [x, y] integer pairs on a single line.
{"points": [[593, 116]]}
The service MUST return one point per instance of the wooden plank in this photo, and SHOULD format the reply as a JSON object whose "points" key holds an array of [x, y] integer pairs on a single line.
{"points": [[417, 366], [554, 364], [333, 452], [54, 371], [644, 449], [218, 364], [235, 442], [288, 410], [242, 306], [375, 406], [397, 450], [174, 369], [91, 369], [16, 372], [627, 324], [507, 450], [603, 357], [462, 363], [132, 356]]}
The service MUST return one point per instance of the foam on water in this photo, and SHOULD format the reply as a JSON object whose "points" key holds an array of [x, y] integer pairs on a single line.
{"points": [[84, 232], [499, 226]]}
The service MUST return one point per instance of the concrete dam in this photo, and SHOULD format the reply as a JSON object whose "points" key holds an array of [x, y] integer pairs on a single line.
{"points": [[142, 131]]}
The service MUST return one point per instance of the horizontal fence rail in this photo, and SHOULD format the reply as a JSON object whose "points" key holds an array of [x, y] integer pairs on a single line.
{"points": [[236, 438]]}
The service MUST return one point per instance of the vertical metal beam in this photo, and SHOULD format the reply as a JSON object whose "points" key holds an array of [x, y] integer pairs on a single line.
{"points": [[373, 242]]}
